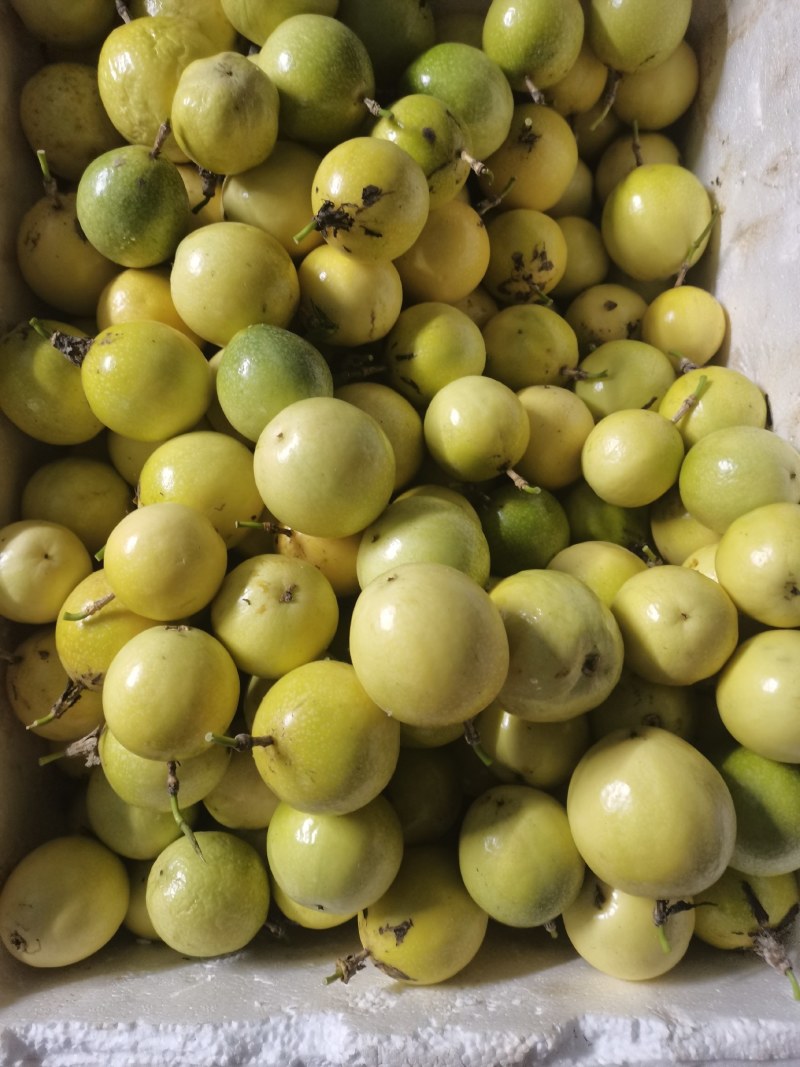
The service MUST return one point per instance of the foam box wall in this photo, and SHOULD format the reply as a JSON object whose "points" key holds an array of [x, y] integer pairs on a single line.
{"points": [[525, 999]]}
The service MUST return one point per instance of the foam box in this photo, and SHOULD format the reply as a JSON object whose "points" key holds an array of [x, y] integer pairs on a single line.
{"points": [[526, 998]]}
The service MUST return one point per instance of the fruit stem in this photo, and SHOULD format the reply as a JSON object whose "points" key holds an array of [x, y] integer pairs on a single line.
{"points": [[84, 746], [240, 742], [793, 982], [684, 364], [173, 786], [636, 144], [537, 95], [378, 112], [522, 483], [70, 697], [209, 182], [74, 348], [476, 166], [89, 609], [494, 201], [473, 739], [122, 10], [164, 131], [347, 966], [306, 230], [48, 181], [608, 98], [692, 400], [267, 527], [687, 262]]}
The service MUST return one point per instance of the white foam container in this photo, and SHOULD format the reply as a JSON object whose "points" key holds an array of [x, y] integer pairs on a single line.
{"points": [[525, 999]]}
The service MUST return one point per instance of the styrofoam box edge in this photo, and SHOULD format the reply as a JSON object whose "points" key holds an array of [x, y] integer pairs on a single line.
{"points": [[525, 999]]}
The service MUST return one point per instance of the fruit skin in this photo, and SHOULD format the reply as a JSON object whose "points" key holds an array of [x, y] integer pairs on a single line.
{"points": [[212, 904], [535, 39], [322, 72], [517, 856], [470, 83], [652, 217], [324, 467], [678, 626], [40, 563], [62, 902], [164, 712], [40, 391], [629, 35], [725, 917], [615, 932], [428, 644], [333, 748], [565, 646], [735, 469], [766, 796], [133, 206], [758, 693], [225, 113], [650, 814], [426, 927], [758, 564], [336, 863]]}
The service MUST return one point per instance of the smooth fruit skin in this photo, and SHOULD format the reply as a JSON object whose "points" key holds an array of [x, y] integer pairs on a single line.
{"points": [[333, 749], [678, 626], [650, 814], [517, 857], [228, 275], [428, 644], [324, 467], [615, 932], [651, 219], [166, 689], [62, 902], [565, 646], [628, 35], [758, 693], [40, 564], [337, 863], [225, 113], [758, 564], [766, 797], [469, 82], [735, 469], [535, 39], [166, 561], [426, 927], [322, 72]]}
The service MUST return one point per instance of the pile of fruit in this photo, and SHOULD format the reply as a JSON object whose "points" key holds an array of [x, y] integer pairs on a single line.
{"points": [[399, 554]]}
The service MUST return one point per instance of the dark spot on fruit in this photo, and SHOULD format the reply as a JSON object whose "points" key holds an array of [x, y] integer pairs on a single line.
{"points": [[43, 654], [589, 665], [599, 896], [287, 596], [393, 972], [399, 930], [370, 195], [429, 134], [609, 305], [402, 356], [18, 942]]}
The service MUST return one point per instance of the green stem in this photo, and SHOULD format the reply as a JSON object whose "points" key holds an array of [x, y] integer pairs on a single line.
{"points": [[692, 400], [89, 609], [306, 230], [693, 247], [473, 739]]}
